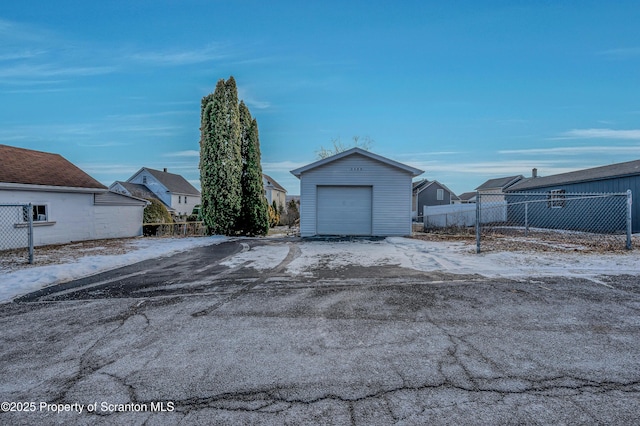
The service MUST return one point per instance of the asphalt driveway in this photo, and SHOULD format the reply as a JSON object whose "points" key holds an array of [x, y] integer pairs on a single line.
{"points": [[203, 337]]}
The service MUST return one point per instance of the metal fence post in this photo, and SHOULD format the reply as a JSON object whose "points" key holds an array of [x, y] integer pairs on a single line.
{"points": [[526, 219], [629, 202], [478, 217], [30, 215]]}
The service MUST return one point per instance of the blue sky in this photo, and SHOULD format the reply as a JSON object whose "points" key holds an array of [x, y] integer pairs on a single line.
{"points": [[466, 91]]}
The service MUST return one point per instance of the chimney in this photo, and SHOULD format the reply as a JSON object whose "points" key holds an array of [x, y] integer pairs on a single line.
{"points": [[534, 172], [165, 170]]}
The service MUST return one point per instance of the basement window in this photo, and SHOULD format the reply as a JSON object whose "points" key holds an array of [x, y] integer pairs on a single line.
{"points": [[38, 213]]}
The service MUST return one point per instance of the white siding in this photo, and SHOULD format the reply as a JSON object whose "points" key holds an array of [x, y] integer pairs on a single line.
{"points": [[391, 192], [154, 186], [74, 217]]}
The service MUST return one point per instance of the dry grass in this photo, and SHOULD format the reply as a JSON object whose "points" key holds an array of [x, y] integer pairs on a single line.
{"points": [[536, 240], [11, 260]]}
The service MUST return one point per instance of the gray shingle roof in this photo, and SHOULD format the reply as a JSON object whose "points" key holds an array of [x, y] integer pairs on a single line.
{"points": [[271, 181], [466, 196], [502, 183], [417, 185], [628, 168], [174, 183], [137, 190]]}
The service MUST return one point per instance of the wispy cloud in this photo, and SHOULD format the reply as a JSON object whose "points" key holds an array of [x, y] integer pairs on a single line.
{"points": [[282, 166], [573, 150], [180, 57], [623, 52], [24, 54], [52, 70], [187, 153], [244, 93], [600, 134]]}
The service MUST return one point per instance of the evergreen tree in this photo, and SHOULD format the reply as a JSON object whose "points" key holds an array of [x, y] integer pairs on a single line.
{"points": [[220, 158], [254, 216]]}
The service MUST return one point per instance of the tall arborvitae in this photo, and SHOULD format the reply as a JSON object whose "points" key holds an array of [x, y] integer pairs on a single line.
{"points": [[220, 159], [254, 216]]}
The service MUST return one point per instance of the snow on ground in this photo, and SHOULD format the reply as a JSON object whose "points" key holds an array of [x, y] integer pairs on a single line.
{"points": [[451, 257], [459, 258], [261, 257], [36, 277]]}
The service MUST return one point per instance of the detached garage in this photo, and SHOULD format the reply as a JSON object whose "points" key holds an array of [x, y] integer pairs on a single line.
{"points": [[355, 193]]}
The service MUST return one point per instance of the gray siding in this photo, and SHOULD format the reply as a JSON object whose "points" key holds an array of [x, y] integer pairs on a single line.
{"points": [[429, 197], [614, 185], [391, 192]]}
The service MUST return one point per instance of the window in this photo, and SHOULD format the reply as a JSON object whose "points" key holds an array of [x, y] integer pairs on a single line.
{"points": [[440, 194], [185, 199], [144, 180], [179, 199], [556, 199], [38, 213]]}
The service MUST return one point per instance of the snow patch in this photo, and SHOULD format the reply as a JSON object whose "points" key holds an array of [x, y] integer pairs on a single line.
{"points": [[261, 257], [458, 258], [34, 278]]}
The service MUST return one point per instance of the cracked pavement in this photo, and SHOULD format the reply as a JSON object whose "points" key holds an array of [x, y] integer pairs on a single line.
{"points": [[351, 345]]}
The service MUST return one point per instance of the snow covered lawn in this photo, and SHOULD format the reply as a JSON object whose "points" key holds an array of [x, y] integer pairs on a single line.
{"points": [[460, 258], [74, 261], [443, 256]]}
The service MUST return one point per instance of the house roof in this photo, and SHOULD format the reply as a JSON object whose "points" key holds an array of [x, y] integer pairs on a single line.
{"points": [[466, 196], [271, 181], [435, 182], [173, 182], [629, 168], [499, 183], [110, 198], [137, 190], [417, 185], [356, 151], [25, 166]]}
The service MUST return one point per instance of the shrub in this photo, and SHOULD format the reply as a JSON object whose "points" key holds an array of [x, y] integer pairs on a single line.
{"points": [[156, 212]]}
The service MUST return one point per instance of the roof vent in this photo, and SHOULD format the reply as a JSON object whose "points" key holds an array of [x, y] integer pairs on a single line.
{"points": [[164, 170], [534, 172]]}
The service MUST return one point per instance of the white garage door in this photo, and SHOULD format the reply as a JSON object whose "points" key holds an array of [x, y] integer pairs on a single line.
{"points": [[344, 210]]}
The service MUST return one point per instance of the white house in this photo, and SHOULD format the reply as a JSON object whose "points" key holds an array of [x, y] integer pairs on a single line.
{"points": [[178, 195], [355, 192], [68, 204], [273, 191], [495, 187]]}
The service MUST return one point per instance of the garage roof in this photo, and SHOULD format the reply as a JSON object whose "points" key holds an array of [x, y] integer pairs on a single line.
{"points": [[414, 172]]}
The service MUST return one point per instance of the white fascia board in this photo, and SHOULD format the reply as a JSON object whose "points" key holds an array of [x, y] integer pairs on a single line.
{"points": [[49, 188], [414, 172]]}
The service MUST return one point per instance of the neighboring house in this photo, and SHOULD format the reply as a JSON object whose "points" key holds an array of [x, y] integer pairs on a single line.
{"points": [[430, 193], [274, 191], [178, 195], [467, 197], [496, 187], [355, 192], [68, 204], [614, 178]]}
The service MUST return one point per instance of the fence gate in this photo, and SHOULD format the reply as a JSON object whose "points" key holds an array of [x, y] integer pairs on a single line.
{"points": [[16, 229], [555, 217]]}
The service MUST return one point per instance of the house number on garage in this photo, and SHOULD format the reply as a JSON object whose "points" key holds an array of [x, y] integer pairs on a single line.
{"points": [[356, 169]]}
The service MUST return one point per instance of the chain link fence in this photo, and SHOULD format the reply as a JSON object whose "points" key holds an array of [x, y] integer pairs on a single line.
{"points": [[16, 231], [175, 229], [556, 217]]}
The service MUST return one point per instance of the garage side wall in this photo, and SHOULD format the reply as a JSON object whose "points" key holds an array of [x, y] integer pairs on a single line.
{"points": [[391, 193]]}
